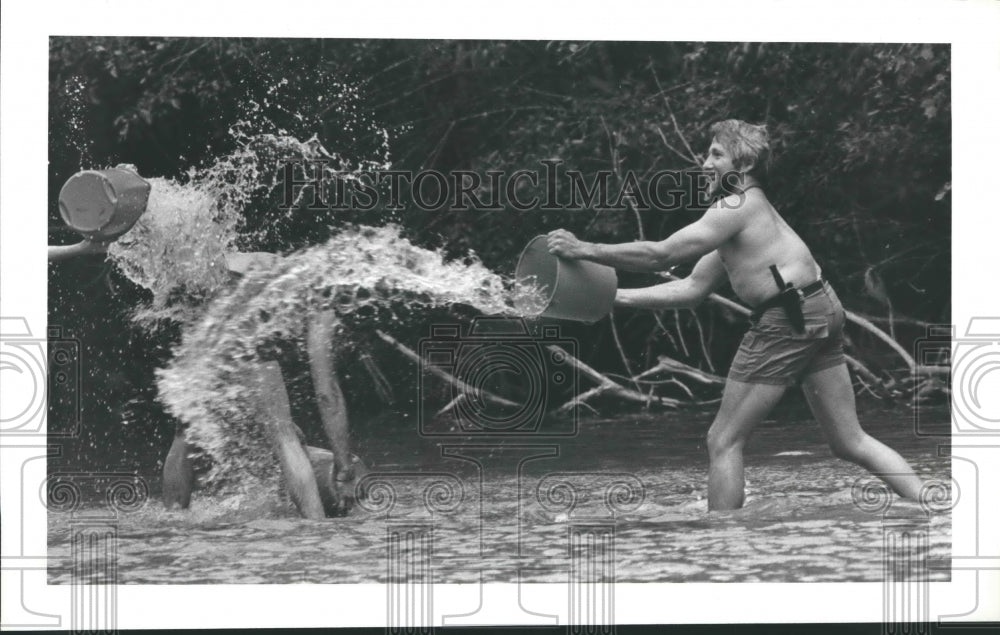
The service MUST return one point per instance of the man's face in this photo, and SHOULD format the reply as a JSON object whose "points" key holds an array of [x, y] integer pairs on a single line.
{"points": [[717, 165]]}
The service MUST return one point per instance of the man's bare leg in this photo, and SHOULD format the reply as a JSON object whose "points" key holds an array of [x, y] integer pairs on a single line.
{"points": [[281, 432], [178, 474], [831, 398], [743, 406], [331, 403]]}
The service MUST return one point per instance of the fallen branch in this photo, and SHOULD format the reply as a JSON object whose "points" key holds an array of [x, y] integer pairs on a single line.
{"points": [[898, 319], [618, 344], [667, 364], [605, 385], [867, 388], [701, 340], [680, 333], [451, 379], [653, 383], [581, 400], [882, 335], [382, 386], [863, 373]]}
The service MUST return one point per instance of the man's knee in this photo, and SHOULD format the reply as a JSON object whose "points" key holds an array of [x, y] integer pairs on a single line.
{"points": [[721, 440], [851, 450]]}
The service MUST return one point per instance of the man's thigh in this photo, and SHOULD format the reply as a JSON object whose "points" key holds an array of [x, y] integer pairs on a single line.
{"points": [[743, 406], [831, 399]]}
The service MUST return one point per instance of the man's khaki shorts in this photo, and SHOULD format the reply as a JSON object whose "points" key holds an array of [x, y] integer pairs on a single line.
{"points": [[773, 352]]}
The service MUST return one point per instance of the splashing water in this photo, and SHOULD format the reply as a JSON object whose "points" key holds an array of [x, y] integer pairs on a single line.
{"points": [[75, 102], [173, 250], [206, 384], [177, 248], [178, 251]]}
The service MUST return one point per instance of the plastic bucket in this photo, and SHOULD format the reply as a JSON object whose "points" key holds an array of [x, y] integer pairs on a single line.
{"points": [[103, 204], [571, 289]]}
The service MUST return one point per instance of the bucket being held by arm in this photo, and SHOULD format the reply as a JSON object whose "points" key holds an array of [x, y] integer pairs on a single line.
{"points": [[101, 205], [550, 286]]}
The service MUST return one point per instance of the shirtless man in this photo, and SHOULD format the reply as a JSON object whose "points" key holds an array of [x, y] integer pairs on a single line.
{"points": [[320, 483], [741, 236]]}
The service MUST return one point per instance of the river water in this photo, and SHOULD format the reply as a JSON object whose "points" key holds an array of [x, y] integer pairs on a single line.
{"points": [[627, 491]]}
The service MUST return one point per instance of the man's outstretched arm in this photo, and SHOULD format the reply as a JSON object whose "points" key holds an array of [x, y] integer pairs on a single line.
{"points": [[686, 293], [718, 225], [84, 248]]}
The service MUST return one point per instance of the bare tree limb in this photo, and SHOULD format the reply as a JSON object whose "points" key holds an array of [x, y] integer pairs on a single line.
{"points": [[701, 340], [898, 319], [606, 385], [693, 157], [618, 345], [680, 333], [451, 379], [672, 148], [667, 364], [882, 335]]}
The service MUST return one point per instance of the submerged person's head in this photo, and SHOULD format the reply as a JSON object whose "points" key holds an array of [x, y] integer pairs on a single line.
{"points": [[737, 146]]}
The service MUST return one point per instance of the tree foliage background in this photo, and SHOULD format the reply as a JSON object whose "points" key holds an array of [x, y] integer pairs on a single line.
{"points": [[861, 143]]}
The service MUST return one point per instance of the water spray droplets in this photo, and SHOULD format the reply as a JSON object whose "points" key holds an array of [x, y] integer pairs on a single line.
{"points": [[76, 103], [206, 384]]}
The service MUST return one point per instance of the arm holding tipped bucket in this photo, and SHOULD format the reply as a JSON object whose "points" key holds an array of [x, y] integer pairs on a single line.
{"points": [[82, 248], [101, 205], [685, 293], [719, 224]]}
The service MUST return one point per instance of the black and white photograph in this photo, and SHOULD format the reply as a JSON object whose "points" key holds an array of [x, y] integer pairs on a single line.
{"points": [[467, 327]]}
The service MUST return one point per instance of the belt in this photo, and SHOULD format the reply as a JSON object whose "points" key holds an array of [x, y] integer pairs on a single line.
{"points": [[789, 299]]}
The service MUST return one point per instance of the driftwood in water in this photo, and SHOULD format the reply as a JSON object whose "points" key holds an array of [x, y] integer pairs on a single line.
{"points": [[671, 365], [448, 377], [606, 385]]}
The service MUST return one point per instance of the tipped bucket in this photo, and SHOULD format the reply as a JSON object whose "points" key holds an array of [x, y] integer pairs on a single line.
{"points": [[570, 289], [103, 204]]}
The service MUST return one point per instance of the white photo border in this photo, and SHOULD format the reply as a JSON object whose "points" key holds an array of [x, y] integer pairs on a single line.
{"points": [[970, 27]]}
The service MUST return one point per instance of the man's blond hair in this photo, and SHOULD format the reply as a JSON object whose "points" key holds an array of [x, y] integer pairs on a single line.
{"points": [[746, 143]]}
